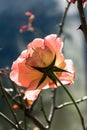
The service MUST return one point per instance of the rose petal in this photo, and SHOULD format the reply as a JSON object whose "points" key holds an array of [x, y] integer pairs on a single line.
{"points": [[31, 94], [21, 74], [36, 43], [55, 44], [65, 77]]}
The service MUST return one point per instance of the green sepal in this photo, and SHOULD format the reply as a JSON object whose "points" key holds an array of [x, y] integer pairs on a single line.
{"points": [[42, 80], [56, 69], [48, 71]]}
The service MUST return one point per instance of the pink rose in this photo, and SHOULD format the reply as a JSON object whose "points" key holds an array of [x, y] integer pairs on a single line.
{"points": [[41, 53]]}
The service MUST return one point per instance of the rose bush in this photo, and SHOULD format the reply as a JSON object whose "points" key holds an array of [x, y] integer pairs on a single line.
{"points": [[40, 53]]}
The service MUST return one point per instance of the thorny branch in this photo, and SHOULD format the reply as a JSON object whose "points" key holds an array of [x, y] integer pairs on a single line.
{"points": [[82, 18]]}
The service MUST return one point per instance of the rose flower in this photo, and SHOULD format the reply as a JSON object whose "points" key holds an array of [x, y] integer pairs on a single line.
{"points": [[35, 67]]}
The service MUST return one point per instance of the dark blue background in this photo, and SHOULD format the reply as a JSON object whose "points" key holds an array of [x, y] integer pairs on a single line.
{"points": [[12, 17]]}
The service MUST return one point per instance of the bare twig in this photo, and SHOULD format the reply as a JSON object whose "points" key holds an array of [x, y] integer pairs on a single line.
{"points": [[6, 98], [8, 120], [61, 25], [52, 111], [82, 18], [35, 120], [42, 109], [71, 103]]}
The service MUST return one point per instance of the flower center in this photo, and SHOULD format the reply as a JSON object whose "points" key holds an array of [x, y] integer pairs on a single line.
{"points": [[40, 57]]}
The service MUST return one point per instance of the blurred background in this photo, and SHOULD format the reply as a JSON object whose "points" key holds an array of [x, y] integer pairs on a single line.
{"points": [[48, 15]]}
